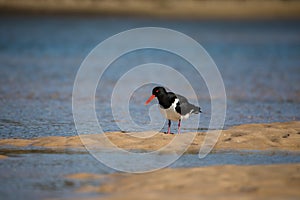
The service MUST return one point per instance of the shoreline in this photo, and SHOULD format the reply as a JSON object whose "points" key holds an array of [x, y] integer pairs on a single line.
{"points": [[190, 9], [278, 136], [233, 181], [279, 181]]}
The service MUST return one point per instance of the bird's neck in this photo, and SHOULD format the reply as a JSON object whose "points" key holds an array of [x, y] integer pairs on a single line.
{"points": [[164, 101]]}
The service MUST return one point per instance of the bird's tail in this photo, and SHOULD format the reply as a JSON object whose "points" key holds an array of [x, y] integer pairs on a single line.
{"points": [[196, 110]]}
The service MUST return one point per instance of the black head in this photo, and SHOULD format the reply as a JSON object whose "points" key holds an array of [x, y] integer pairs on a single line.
{"points": [[158, 91]]}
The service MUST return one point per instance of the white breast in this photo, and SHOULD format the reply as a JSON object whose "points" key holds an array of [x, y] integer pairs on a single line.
{"points": [[171, 113]]}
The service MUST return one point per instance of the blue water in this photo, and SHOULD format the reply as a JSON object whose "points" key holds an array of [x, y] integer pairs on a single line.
{"points": [[39, 58], [40, 176]]}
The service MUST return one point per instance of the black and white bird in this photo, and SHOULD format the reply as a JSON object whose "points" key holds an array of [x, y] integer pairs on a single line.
{"points": [[173, 106]]}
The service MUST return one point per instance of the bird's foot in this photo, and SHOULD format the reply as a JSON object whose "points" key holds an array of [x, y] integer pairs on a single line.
{"points": [[169, 130]]}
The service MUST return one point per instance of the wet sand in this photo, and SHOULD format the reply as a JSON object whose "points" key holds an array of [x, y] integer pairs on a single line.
{"points": [[215, 182], [215, 9], [272, 136], [277, 181]]}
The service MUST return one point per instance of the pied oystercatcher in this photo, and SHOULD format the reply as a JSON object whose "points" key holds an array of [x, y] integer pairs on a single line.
{"points": [[173, 106]]}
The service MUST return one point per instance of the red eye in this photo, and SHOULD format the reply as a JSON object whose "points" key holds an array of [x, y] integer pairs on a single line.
{"points": [[156, 91]]}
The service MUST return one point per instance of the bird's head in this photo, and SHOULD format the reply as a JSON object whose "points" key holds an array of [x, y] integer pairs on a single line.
{"points": [[156, 92]]}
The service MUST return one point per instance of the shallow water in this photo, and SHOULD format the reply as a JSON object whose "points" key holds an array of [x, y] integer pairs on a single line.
{"points": [[39, 57], [39, 175]]}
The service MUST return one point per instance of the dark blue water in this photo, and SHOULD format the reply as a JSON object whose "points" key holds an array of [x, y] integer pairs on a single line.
{"points": [[39, 57], [40, 176]]}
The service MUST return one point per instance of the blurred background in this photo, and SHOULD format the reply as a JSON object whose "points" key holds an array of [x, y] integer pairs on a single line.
{"points": [[255, 44], [212, 9]]}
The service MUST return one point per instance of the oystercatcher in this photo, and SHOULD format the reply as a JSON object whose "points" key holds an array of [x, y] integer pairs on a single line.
{"points": [[173, 106]]}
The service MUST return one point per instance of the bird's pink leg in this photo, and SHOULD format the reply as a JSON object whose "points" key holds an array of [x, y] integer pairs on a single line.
{"points": [[179, 126], [169, 127]]}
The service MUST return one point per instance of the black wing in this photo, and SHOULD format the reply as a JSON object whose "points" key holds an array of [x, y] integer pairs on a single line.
{"points": [[183, 106]]}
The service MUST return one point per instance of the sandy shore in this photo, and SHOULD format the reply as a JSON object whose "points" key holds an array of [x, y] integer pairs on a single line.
{"points": [[279, 181], [216, 182], [201, 9], [2, 157], [273, 136]]}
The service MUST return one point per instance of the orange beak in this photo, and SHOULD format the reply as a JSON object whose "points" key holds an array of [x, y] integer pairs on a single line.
{"points": [[150, 99]]}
